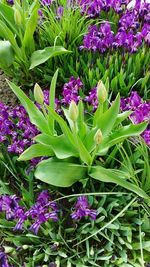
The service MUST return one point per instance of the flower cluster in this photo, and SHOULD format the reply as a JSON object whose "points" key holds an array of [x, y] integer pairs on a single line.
{"points": [[141, 112], [133, 29], [16, 130], [103, 38], [92, 99], [71, 91], [94, 8], [43, 210], [82, 209]]}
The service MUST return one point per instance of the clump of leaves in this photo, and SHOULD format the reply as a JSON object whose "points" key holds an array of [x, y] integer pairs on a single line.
{"points": [[75, 143]]}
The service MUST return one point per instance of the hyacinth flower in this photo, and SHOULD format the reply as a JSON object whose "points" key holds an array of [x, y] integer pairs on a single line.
{"points": [[141, 112], [43, 210], [82, 209]]}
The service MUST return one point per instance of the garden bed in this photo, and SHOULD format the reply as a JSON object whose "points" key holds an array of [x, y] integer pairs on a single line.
{"points": [[74, 133]]}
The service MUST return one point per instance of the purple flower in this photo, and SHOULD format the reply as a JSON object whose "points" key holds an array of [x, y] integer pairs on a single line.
{"points": [[16, 130], [43, 210], [146, 136], [71, 91], [59, 12], [91, 99], [3, 260], [11, 2], [46, 2], [98, 39], [141, 111], [82, 209], [9, 205]]}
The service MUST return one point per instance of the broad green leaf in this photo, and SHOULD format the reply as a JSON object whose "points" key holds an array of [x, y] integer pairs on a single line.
{"points": [[7, 14], [40, 56], [59, 173], [122, 134], [6, 54], [105, 123], [36, 150], [7, 34], [36, 116], [83, 152], [59, 144], [122, 116], [82, 128], [107, 120], [108, 176], [52, 100], [31, 24], [63, 125]]}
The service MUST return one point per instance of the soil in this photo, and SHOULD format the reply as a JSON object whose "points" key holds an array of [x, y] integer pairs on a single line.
{"points": [[6, 95]]}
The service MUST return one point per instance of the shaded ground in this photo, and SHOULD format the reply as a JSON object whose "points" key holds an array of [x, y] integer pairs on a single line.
{"points": [[6, 95]]}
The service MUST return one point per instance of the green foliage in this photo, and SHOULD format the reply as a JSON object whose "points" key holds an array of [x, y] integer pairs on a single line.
{"points": [[78, 148], [6, 54], [119, 244], [18, 25], [40, 56]]}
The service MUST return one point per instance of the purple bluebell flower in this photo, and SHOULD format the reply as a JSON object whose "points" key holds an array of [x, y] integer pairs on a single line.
{"points": [[3, 260], [11, 2], [59, 12], [146, 136], [46, 2], [9, 205], [92, 99], [43, 210], [141, 112], [71, 91], [40, 13], [98, 39], [16, 130], [82, 209]]}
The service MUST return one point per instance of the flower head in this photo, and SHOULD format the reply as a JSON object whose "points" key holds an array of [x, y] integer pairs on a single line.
{"points": [[82, 209]]}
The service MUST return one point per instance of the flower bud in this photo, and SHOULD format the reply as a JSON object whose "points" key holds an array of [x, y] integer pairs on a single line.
{"points": [[101, 92], [98, 137], [8, 249], [25, 247], [73, 111], [38, 94], [17, 17]]}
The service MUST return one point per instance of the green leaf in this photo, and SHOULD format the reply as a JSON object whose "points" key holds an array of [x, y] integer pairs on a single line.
{"points": [[36, 116], [6, 54], [28, 41], [52, 100], [122, 134], [107, 120], [109, 176], [8, 35], [59, 144], [122, 116], [36, 150], [7, 14], [82, 127], [83, 152], [105, 123], [41, 56], [65, 129], [59, 173]]}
